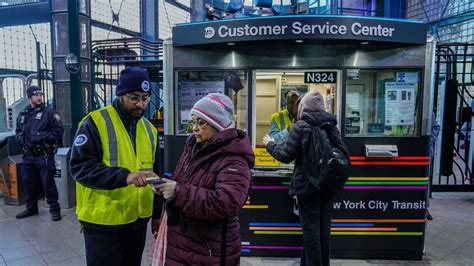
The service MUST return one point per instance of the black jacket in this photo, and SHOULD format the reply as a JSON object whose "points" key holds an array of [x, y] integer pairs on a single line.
{"points": [[86, 159], [37, 126], [294, 149]]}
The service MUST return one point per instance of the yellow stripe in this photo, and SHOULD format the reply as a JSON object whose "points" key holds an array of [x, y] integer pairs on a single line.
{"points": [[255, 207], [389, 178]]}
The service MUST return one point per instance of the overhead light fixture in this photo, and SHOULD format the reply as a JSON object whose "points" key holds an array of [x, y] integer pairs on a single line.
{"points": [[364, 43], [231, 43], [298, 41]]}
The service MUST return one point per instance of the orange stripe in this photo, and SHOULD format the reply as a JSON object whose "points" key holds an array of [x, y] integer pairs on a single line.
{"points": [[400, 158], [391, 229], [390, 163], [275, 228], [378, 220]]}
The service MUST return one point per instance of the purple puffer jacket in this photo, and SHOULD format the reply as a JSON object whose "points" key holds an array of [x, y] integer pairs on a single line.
{"points": [[211, 187]]}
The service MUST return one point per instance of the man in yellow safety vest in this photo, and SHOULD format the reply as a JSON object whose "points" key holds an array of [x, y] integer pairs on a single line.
{"points": [[114, 151], [281, 122]]}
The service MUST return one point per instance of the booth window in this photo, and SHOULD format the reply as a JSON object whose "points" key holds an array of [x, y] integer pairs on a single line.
{"points": [[193, 85], [382, 102]]}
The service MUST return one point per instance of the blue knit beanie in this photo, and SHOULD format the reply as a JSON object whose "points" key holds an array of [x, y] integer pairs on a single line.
{"points": [[133, 79], [32, 90]]}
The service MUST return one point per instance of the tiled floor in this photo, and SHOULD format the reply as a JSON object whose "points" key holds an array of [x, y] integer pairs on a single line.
{"points": [[39, 241]]}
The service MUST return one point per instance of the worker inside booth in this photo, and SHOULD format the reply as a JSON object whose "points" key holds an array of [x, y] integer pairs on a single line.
{"points": [[275, 89]]}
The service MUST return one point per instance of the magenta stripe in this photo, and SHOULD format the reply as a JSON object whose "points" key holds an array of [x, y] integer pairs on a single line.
{"points": [[273, 247], [269, 187], [384, 187], [218, 101]]}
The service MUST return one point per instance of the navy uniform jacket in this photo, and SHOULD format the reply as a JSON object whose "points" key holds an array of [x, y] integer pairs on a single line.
{"points": [[86, 160], [36, 126]]}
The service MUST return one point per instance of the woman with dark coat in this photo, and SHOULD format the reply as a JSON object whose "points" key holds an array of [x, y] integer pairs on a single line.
{"points": [[315, 206], [209, 187]]}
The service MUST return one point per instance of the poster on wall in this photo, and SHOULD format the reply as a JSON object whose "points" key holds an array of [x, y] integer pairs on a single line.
{"points": [[192, 91], [399, 103]]}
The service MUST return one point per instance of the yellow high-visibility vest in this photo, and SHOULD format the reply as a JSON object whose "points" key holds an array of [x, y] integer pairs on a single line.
{"points": [[282, 119], [123, 205]]}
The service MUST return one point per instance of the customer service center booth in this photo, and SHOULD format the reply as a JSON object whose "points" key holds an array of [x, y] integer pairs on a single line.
{"points": [[375, 76]]}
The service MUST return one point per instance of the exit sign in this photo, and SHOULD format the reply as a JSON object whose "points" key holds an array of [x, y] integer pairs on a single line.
{"points": [[320, 77]]}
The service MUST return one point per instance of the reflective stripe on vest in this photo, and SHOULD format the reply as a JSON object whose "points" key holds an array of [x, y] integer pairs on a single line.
{"points": [[122, 205], [112, 138], [282, 119]]}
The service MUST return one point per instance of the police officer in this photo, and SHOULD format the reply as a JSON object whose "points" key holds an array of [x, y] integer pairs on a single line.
{"points": [[39, 130], [114, 151]]}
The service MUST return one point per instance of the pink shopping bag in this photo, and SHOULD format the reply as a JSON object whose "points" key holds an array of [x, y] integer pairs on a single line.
{"points": [[157, 252]]}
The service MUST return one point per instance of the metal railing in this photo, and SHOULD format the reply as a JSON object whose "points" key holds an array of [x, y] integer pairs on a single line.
{"points": [[453, 165]]}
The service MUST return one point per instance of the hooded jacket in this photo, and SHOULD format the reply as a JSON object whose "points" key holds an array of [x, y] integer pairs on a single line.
{"points": [[212, 185], [294, 149]]}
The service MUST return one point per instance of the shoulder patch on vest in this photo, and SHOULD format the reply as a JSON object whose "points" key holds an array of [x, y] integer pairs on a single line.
{"points": [[80, 140]]}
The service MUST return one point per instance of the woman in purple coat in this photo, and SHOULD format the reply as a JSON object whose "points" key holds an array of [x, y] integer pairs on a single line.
{"points": [[209, 187]]}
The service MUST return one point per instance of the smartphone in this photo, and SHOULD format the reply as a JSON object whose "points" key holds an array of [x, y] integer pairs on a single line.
{"points": [[154, 181]]}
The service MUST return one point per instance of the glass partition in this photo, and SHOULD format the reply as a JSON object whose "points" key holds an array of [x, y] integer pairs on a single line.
{"points": [[272, 93], [382, 102], [193, 85]]}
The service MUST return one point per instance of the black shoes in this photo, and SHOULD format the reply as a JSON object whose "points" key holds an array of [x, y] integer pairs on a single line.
{"points": [[428, 216], [26, 213], [56, 216]]}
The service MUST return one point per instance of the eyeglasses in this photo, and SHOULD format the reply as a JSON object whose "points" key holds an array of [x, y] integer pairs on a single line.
{"points": [[135, 98], [199, 122]]}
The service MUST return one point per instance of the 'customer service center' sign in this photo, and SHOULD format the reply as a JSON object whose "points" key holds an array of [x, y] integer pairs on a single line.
{"points": [[300, 27]]}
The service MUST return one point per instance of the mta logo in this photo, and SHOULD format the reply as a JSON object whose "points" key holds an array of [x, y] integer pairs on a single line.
{"points": [[209, 32]]}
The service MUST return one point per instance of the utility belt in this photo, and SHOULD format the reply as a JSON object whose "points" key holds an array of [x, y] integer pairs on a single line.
{"points": [[37, 150]]}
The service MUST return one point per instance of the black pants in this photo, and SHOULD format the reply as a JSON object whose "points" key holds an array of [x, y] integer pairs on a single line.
{"points": [[315, 216], [38, 172], [116, 247]]}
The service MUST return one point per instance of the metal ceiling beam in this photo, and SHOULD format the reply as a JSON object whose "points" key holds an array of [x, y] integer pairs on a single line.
{"points": [[24, 14], [178, 5]]}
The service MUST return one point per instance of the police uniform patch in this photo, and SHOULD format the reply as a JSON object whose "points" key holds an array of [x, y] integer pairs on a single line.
{"points": [[39, 115], [145, 86], [57, 117], [80, 140]]}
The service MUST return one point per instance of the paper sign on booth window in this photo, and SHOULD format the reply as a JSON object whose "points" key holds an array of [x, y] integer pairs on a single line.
{"points": [[263, 158], [407, 77], [399, 103]]}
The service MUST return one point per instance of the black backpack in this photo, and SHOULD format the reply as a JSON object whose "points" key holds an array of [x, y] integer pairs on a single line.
{"points": [[327, 159]]}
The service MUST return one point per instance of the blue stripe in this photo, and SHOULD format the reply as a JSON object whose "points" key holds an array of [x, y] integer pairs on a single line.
{"points": [[352, 225], [274, 224], [247, 250]]}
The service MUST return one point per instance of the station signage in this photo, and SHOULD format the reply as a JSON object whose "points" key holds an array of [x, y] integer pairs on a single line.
{"points": [[301, 27], [320, 77]]}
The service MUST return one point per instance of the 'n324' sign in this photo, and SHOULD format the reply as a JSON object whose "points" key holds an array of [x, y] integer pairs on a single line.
{"points": [[320, 77]]}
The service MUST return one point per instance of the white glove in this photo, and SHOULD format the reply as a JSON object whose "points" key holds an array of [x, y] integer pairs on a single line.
{"points": [[267, 139]]}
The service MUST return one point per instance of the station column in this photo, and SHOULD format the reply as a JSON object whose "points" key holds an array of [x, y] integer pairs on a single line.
{"points": [[72, 64]]}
